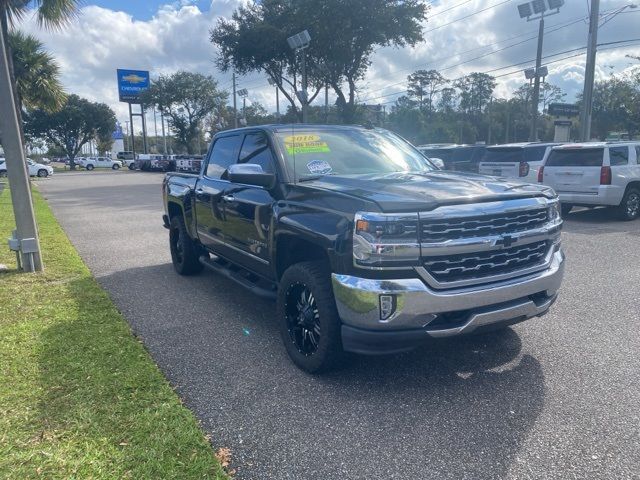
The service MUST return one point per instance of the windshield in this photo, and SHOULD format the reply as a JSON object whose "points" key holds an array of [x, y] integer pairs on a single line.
{"points": [[443, 154], [578, 157], [311, 152]]}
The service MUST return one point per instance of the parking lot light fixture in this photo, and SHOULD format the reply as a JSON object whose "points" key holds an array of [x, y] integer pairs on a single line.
{"points": [[298, 43]]}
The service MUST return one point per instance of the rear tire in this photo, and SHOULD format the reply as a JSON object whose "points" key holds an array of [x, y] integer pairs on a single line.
{"points": [[90, 167], [185, 253], [629, 208], [42, 173], [565, 209], [308, 318]]}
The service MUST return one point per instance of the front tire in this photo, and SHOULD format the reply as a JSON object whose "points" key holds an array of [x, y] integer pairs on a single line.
{"points": [[185, 253], [115, 166], [308, 319], [629, 208], [90, 167], [132, 166], [42, 173], [565, 209]]}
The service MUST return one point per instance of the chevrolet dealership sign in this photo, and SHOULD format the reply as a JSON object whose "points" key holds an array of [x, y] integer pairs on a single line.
{"points": [[131, 83]]}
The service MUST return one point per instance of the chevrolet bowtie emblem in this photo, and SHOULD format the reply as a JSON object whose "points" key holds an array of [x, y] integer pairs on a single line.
{"points": [[506, 241]]}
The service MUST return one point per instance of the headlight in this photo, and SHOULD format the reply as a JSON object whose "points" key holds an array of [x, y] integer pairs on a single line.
{"points": [[381, 240], [554, 212]]}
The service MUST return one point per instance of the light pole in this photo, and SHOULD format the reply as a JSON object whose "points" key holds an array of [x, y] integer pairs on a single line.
{"points": [[589, 72], [298, 43], [537, 9], [273, 83], [26, 242], [244, 93]]}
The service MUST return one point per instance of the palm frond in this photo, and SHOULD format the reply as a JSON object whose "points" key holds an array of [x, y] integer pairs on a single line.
{"points": [[54, 14]]}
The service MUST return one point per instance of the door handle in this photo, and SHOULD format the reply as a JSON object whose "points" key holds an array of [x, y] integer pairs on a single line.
{"points": [[229, 198], [199, 191]]}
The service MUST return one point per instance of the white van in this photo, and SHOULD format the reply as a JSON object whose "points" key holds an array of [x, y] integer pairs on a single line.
{"points": [[514, 160], [595, 173]]}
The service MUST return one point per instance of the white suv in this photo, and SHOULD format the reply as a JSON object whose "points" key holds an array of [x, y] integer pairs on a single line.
{"points": [[514, 160], [594, 174], [101, 162]]}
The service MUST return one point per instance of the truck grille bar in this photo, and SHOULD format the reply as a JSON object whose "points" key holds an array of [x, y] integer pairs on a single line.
{"points": [[440, 230], [454, 268]]}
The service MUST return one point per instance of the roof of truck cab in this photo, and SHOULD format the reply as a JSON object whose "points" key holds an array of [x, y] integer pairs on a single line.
{"points": [[523, 145], [574, 146], [292, 127]]}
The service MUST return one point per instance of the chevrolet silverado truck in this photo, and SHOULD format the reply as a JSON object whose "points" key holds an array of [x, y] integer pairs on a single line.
{"points": [[365, 246]]}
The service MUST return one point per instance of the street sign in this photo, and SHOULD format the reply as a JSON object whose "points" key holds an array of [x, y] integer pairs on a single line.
{"points": [[131, 83], [564, 110]]}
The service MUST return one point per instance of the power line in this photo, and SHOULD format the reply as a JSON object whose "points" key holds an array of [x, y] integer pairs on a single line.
{"points": [[439, 12], [468, 16]]}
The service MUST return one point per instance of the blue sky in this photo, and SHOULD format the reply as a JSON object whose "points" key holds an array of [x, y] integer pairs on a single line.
{"points": [[145, 9]]}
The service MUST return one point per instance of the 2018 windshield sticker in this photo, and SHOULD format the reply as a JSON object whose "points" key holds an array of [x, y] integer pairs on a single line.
{"points": [[319, 167], [297, 144]]}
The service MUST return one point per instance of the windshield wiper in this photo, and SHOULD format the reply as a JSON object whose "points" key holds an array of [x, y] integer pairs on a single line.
{"points": [[308, 178]]}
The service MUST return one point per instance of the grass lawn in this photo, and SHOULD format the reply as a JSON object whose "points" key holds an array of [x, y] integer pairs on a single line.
{"points": [[80, 397]]}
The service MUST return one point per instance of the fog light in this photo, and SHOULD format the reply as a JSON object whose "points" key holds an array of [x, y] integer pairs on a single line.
{"points": [[387, 306]]}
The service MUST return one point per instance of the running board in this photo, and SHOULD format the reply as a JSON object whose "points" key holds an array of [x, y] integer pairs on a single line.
{"points": [[243, 277]]}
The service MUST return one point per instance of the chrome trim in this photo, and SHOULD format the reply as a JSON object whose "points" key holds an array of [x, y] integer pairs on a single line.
{"points": [[424, 273], [488, 208], [417, 304], [490, 242]]}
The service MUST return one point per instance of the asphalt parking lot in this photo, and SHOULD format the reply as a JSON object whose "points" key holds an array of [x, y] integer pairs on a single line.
{"points": [[556, 397]]}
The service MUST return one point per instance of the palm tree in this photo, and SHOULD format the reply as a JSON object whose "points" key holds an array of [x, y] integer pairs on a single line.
{"points": [[52, 14], [36, 73]]}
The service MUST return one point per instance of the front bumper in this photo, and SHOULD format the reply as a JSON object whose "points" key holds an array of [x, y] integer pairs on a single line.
{"points": [[421, 312]]}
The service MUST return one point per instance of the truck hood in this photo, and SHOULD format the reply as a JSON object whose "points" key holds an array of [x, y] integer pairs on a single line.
{"points": [[402, 191]]}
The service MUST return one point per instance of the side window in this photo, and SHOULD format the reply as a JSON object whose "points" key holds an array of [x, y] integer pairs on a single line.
{"points": [[618, 156], [223, 154], [255, 149], [638, 154]]}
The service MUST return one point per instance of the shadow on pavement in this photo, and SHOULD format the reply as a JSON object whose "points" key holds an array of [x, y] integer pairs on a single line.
{"points": [[452, 409]]}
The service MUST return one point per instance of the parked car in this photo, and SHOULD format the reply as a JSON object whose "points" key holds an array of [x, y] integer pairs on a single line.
{"points": [[595, 174], [188, 163], [35, 169], [366, 247], [101, 162], [514, 160], [152, 161], [458, 158], [128, 159]]}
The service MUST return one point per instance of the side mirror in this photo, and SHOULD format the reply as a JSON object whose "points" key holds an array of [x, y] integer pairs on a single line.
{"points": [[438, 162], [251, 174]]}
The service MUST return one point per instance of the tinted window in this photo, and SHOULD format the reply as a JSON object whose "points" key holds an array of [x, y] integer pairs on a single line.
{"points": [[223, 154], [255, 149], [441, 153], [505, 154], [579, 157], [534, 154], [638, 154], [618, 156]]}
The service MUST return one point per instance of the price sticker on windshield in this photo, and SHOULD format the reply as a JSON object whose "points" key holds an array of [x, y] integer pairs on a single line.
{"points": [[305, 143]]}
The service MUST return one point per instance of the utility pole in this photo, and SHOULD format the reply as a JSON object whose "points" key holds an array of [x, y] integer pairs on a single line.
{"points": [[305, 100], [235, 110], [164, 137], [533, 135], [26, 227], [490, 124], [589, 73], [326, 103], [155, 129]]}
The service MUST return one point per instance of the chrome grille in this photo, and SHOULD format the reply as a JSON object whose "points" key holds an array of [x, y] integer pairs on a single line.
{"points": [[479, 265], [441, 230]]}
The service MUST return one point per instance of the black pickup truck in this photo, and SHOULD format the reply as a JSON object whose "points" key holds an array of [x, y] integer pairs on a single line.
{"points": [[364, 244]]}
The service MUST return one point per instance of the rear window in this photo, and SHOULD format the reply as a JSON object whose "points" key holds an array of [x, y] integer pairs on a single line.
{"points": [[508, 154], [534, 154], [441, 153], [580, 157]]}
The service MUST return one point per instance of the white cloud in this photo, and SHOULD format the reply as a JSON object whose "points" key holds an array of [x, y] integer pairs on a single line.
{"points": [[177, 37]]}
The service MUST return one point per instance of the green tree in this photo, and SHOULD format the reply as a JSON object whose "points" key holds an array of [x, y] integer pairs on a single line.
{"points": [[615, 106], [424, 85], [476, 90], [73, 126], [37, 74], [185, 99], [344, 34]]}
